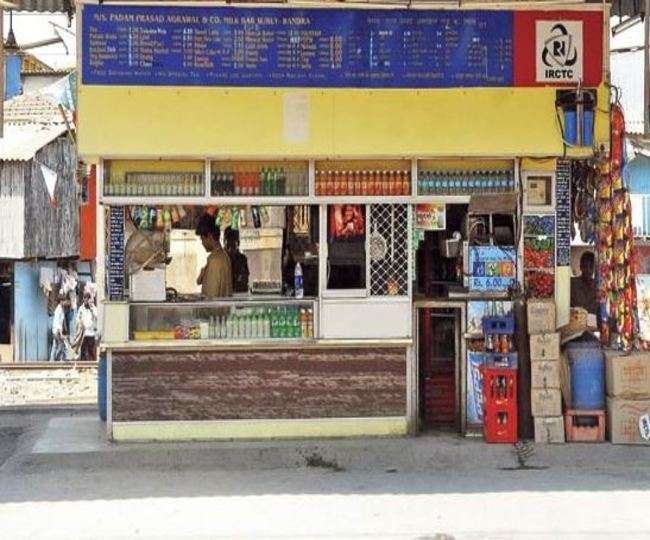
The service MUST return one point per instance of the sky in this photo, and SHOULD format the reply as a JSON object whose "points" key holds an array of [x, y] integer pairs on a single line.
{"points": [[31, 27]]}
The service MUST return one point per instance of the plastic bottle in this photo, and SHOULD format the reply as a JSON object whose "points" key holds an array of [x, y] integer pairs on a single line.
{"points": [[298, 286]]}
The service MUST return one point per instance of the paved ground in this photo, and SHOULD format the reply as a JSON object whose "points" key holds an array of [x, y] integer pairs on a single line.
{"points": [[425, 488]]}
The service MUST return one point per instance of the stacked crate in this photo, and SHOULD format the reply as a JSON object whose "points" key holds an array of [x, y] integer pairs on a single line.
{"points": [[546, 397], [499, 371]]}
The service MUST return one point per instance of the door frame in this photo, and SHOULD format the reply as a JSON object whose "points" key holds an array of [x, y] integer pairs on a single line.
{"points": [[460, 369]]}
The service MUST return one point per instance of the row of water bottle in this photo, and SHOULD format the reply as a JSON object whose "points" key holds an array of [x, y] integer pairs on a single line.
{"points": [[464, 182]]}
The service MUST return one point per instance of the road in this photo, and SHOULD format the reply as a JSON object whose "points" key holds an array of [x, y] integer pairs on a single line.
{"points": [[176, 498]]}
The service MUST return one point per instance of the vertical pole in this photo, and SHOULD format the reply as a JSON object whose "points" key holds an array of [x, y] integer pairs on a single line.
{"points": [[2, 70], [646, 70]]}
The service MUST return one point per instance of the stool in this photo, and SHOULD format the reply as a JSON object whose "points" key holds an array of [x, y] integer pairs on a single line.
{"points": [[584, 426]]}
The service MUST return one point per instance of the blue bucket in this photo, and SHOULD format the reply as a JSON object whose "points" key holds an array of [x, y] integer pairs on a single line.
{"points": [[587, 364]]}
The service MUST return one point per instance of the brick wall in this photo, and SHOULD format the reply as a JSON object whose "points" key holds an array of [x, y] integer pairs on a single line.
{"points": [[30, 385], [209, 385]]}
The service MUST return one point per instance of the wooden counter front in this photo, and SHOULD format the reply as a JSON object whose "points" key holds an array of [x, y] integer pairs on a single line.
{"points": [[258, 384]]}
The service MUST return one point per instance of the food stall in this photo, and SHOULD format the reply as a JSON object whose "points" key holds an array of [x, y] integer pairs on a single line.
{"points": [[378, 211]]}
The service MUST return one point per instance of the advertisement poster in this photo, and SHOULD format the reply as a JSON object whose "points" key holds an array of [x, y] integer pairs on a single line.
{"points": [[431, 217], [643, 305], [347, 222], [492, 268], [478, 309], [474, 388]]}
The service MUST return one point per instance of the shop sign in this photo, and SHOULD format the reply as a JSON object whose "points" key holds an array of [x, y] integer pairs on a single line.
{"points": [[492, 268], [559, 51], [431, 217]]}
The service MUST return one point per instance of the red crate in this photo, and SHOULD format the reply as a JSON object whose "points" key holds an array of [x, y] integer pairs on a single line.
{"points": [[500, 424], [500, 405], [577, 431]]}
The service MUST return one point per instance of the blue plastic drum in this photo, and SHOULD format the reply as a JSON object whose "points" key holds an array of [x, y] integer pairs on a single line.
{"points": [[587, 375]]}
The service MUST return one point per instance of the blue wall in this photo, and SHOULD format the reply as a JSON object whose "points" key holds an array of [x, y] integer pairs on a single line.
{"points": [[31, 321], [638, 174]]}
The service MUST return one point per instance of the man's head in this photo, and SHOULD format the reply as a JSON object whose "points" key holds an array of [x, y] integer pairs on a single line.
{"points": [[87, 299], [587, 265], [209, 232], [64, 301], [231, 238]]}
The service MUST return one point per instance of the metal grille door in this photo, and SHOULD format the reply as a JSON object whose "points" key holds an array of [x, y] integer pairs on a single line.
{"points": [[389, 249]]}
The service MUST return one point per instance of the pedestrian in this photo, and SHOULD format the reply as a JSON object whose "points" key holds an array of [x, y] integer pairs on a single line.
{"points": [[87, 329], [60, 330]]}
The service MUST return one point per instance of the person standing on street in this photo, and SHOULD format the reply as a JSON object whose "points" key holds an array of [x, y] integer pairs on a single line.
{"points": [[87, 329], [60, 331]]}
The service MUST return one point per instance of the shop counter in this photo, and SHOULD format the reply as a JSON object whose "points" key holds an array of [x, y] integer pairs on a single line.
{"points": [[256, 389]]}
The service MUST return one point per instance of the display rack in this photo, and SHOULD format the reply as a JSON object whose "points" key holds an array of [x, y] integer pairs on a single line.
{"points": [[539, 255]]}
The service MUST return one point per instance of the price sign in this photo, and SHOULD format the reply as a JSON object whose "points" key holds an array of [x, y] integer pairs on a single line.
{"points": [[563, 212], [115, 261]]}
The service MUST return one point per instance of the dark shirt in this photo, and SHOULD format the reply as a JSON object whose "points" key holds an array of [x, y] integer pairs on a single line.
{"points": [[240, 271], [583, 294]]}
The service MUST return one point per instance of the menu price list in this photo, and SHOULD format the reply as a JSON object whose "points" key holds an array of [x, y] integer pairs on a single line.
{"points": [[563, 212], [115, 267], [295, 47]]}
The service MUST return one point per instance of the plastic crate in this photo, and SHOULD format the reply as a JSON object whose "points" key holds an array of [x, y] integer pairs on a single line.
{"points": [[499, 386], [501, 360], [584, 426], [500, 424], [499, 325]]}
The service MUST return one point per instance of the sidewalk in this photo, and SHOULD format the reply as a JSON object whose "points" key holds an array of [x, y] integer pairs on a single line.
{"points": [[80, 441]]}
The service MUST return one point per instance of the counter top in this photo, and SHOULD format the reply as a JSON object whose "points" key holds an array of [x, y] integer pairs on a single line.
{"points": [[200, 344]]}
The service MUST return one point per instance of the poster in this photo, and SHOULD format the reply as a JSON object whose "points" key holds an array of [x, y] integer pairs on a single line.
{"points": [[643, 304], [491, 268], [474, 388], [431, 217]]}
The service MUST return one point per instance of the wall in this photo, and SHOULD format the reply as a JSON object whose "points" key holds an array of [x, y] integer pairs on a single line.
{"points": [[22, 385], [88, 220], [31, 321], [211, 385], [12, 209], [52, 229], [222, 123]]}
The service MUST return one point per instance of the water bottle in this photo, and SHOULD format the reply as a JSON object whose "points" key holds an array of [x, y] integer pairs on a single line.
{"points": [[298, 282]]}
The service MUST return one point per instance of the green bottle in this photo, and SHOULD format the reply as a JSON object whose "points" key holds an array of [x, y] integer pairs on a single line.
{"points": [[265, 181]]}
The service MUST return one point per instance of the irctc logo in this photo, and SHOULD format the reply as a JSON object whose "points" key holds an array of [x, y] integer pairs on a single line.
{"points": [[559, 51]]}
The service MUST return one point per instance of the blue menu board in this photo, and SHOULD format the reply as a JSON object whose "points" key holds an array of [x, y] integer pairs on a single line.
{"points": [[282, 47]]}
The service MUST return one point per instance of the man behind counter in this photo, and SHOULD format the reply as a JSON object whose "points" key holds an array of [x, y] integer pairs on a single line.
{"points": [[216, 276], [238, 261], [583, 287]]}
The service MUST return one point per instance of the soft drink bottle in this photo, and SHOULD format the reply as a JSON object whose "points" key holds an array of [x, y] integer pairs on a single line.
{"points": [[298, 281]]}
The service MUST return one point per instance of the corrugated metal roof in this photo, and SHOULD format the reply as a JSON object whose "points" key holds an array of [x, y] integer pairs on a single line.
{"points": [[21, 142], [31, 121], [46, 6]]}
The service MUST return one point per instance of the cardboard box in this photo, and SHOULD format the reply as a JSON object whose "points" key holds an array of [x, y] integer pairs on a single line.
{"points": [[628, 421], [545, 374], [549, 429], [628, 376], [541, 316], [544, 346], [546, 402]]}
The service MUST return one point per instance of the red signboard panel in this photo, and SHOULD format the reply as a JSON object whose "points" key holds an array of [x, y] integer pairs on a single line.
{"points": [[558, 48]]}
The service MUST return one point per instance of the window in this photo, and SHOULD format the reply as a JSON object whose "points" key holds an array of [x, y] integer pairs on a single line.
{"points": [[346, 247]]}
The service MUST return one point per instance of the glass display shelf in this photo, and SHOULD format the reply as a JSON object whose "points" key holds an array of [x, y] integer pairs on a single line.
{"points": [[226, 320]]}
